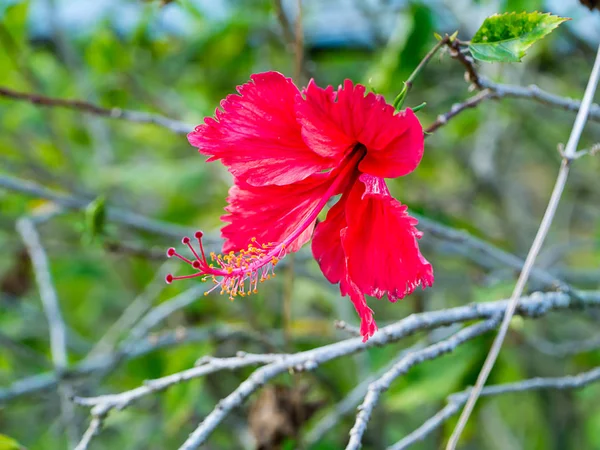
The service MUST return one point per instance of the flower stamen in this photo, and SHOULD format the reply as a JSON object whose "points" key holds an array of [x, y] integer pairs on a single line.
{"points": [[237, 274]]}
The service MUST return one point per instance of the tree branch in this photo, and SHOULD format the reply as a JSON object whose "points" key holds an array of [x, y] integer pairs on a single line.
{"points": [[112, 113], [535, 305], [413, 358], [456, 401], [77, 203], [49, 380], [56, 323]]}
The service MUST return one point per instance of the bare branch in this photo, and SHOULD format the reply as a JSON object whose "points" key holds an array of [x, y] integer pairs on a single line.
{"points": [[456, 401], [559, 186], [344, 326], [490, 90], [77, 203], [165, 309], [563, 349], [478, 245], [104, 403], [49, 380], [113, 113], [533, 306], [533, 92], [458, 108], [351, 401], [284, 23], [92, 431], [413, 358], [456, 51], [39, 260], [56, 324]]}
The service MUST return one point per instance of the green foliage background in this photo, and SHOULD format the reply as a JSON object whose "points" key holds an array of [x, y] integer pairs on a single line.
{"points": [[489, 171]]}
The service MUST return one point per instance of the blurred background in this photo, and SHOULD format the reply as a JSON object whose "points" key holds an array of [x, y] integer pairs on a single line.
{"points": [[489, 171]]}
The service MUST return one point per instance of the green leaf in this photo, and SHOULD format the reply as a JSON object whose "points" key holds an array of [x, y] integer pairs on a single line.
{"points": [[399, 100], [7, 443], [506, 37], [95, 217]]}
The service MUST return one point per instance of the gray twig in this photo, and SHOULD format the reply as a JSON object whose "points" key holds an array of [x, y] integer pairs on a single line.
{"points": [[536, 305], [49, 380], [456, 401], [413, 358], [533, 92], [165, 309], [485, 248], [92, 431], [86, 107], [350, 401], [39, 260], [76, 203], [563, 349], [56, 324], [104, 403]]}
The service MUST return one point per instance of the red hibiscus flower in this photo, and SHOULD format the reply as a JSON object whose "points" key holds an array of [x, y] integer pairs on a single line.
{"points": [[289, 153]]}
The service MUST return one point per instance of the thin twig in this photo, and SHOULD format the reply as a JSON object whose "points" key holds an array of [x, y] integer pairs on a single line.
{"points": [[298, 43], [56, 324], [133, 220], [458, 108], [92, 431], [353, 399], [286, 28], [344, 326], [533, 92], [165, 309], [404, 365], [430, 54], [561, 180], [49, 380], [104, 403], [86, 107], [563, 349], [39, 261], [473, 243], [467, 61], [456, 401]]}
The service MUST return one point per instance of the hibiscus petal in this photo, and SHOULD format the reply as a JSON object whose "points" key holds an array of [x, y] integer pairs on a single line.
{"points": [[381, 243], [257, 136], [329, 253], [319, 116], [271, 213], [333, 122], [397, 144], [368, 327], [327, 243]]}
